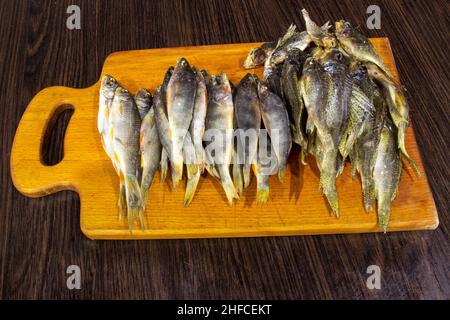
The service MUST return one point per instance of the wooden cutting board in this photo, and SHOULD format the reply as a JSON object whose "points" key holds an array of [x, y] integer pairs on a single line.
{"points": [[294, 208]]}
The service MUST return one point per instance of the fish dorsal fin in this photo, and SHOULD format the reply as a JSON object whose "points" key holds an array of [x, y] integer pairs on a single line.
{"points": [[289, 34], [326, 26]]}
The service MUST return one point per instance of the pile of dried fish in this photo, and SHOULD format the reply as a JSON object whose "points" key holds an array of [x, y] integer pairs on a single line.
{"points": [[342, 102], [329, 92]]}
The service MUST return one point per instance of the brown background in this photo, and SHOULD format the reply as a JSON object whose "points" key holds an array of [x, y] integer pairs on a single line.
{"points": [[39, 238]]}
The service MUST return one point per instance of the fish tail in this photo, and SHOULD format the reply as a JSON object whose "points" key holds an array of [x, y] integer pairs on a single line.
{"points": [[401, 144], [346, 144], [367, 194], [122, 203], [134, 202], [191, 170], [147, 179], [262, 188], [200, 158], [303, 157], [144, 192], [228, 186], [164, 166], [384, 212], [328, 186], [246, 174], [237, 178], [212, 171], [282, 174], [177, 173], [191, 186]]}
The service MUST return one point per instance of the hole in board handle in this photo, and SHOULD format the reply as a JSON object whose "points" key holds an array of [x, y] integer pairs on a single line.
{"points": [[52, 147]]}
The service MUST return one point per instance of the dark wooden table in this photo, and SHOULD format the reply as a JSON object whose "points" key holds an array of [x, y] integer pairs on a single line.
{"points": [[39, 238]]}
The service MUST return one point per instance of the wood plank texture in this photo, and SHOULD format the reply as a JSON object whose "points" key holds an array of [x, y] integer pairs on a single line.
{"points": [[40, 237]]}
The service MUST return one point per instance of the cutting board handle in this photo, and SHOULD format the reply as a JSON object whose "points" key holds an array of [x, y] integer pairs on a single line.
{"points": [[29, 173]]}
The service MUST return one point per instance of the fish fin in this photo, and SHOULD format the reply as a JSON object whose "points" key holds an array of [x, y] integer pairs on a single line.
{"points": [[384, 213], [212, 171], [227, 184], [189, 156], [111, 133], [289, 33], [246, 174], [311, 27], [163, 126], [177, 174], [328, 187], [134, 202], [282, 174], [164, 164], [262, 188], [302, 157], [368, 198], [353, 171], [325, 27], [146, 182], [122, 202], [401, 145], [141, 138], [237, 178], [209, 164], [191, 186]]}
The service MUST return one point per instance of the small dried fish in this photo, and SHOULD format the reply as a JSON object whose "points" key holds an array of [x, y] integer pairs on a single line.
{"points": [[219, 124], [125, 124], [276, 121], [248, 121], [357, 45], [258, 56], [386, 172], [150, 153], [180, 93]]}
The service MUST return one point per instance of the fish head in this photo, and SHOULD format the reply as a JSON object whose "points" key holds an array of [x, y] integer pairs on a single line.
{"points": [[248, 81], [263, 90], [334, 60], [143, 99], [278, 56], [312, 69], [157, 95], [343, 29], [311, 27], [168, 74], [182, 70], [210, 80], [143, 95], [199, 77], [182, 63], [122, 94], [256, 57], [108, 86], [222, 88], [222, 79]]}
